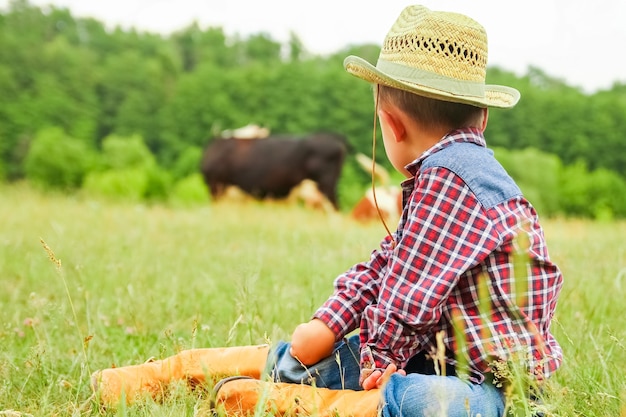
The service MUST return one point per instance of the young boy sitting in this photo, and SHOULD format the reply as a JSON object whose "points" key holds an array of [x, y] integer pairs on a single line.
{"points": [[442, 307]]}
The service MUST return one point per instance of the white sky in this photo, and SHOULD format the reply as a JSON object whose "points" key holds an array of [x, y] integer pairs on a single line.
{"points": [[579, 41]]}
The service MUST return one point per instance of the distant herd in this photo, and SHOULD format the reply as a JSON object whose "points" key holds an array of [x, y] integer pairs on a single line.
{"points": [[251, 162]]}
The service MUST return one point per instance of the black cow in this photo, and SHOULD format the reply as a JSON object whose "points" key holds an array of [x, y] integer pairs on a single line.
{"points": [[271, 167]]}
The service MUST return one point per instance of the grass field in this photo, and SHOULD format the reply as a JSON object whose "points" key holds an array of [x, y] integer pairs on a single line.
{"points": [[90, 284]]}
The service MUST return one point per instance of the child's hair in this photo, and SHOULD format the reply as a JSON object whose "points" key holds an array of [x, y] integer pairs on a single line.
{"points": [[431, 112]]}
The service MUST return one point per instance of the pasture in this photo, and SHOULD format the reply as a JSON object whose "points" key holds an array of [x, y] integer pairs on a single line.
{"points": [[90, 284]]}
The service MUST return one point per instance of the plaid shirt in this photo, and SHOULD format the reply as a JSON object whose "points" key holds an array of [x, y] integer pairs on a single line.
{"points": [[454, 239]]}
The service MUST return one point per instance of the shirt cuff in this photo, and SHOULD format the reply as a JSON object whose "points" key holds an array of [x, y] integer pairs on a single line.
{"points": [[372, 359]]}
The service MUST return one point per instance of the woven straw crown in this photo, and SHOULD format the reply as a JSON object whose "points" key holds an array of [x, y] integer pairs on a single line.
{"points": [[441, 55]]}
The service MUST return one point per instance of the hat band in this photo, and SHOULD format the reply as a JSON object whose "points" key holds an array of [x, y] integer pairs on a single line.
{"points": [[431, 79]]}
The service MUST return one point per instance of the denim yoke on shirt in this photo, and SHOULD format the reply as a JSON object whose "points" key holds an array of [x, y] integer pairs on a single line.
{"points": [[489, 182]]}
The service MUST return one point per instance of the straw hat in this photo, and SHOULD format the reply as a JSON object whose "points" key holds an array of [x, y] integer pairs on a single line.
{"points": [[435, 54]]}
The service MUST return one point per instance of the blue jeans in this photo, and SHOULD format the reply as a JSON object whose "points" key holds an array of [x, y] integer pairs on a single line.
{"points": [[417, 395], [341, 370], [414, 395]]}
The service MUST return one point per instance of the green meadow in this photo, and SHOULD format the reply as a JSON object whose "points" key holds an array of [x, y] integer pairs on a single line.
{"points": [[89, 284]]}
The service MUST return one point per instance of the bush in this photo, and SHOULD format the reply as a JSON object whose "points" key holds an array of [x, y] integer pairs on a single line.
{"points": [[574, 190], [123, 184], [58, 161], [600, 194], [537, 174], [121, 152], [135, 184], [188, 163], [607, 195], [189, 191], [352, 185], [159, 184], [129, 171]]}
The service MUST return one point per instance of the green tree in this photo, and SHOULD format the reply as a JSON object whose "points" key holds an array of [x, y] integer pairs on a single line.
{"points": [[63, 94], [200, 107], [606, 125], [195, 46], [296, 47], [260, 48], [132, 90]]}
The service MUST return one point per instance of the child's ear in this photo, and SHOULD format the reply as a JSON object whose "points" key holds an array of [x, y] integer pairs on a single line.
{"points": [[485, 118], [395, 124]]}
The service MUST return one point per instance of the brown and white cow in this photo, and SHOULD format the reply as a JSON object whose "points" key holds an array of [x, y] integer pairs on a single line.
{"points": [[384, 197], [389, 202]]}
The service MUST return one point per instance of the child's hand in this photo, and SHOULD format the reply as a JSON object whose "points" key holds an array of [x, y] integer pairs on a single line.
{"points": [[377, 378], [312, 342]]}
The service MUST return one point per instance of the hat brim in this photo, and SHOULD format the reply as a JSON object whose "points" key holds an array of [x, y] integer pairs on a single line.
{"points": [[494, 95]]}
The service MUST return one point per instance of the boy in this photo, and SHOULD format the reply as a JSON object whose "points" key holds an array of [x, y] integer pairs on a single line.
{"points": [[439, 307]]}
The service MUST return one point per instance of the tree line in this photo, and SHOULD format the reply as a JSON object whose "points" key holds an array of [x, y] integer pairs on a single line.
{"points": [[127, 113]]}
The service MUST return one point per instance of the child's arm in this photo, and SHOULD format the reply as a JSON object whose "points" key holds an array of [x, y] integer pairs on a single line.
{"points": [[312, 342]]}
